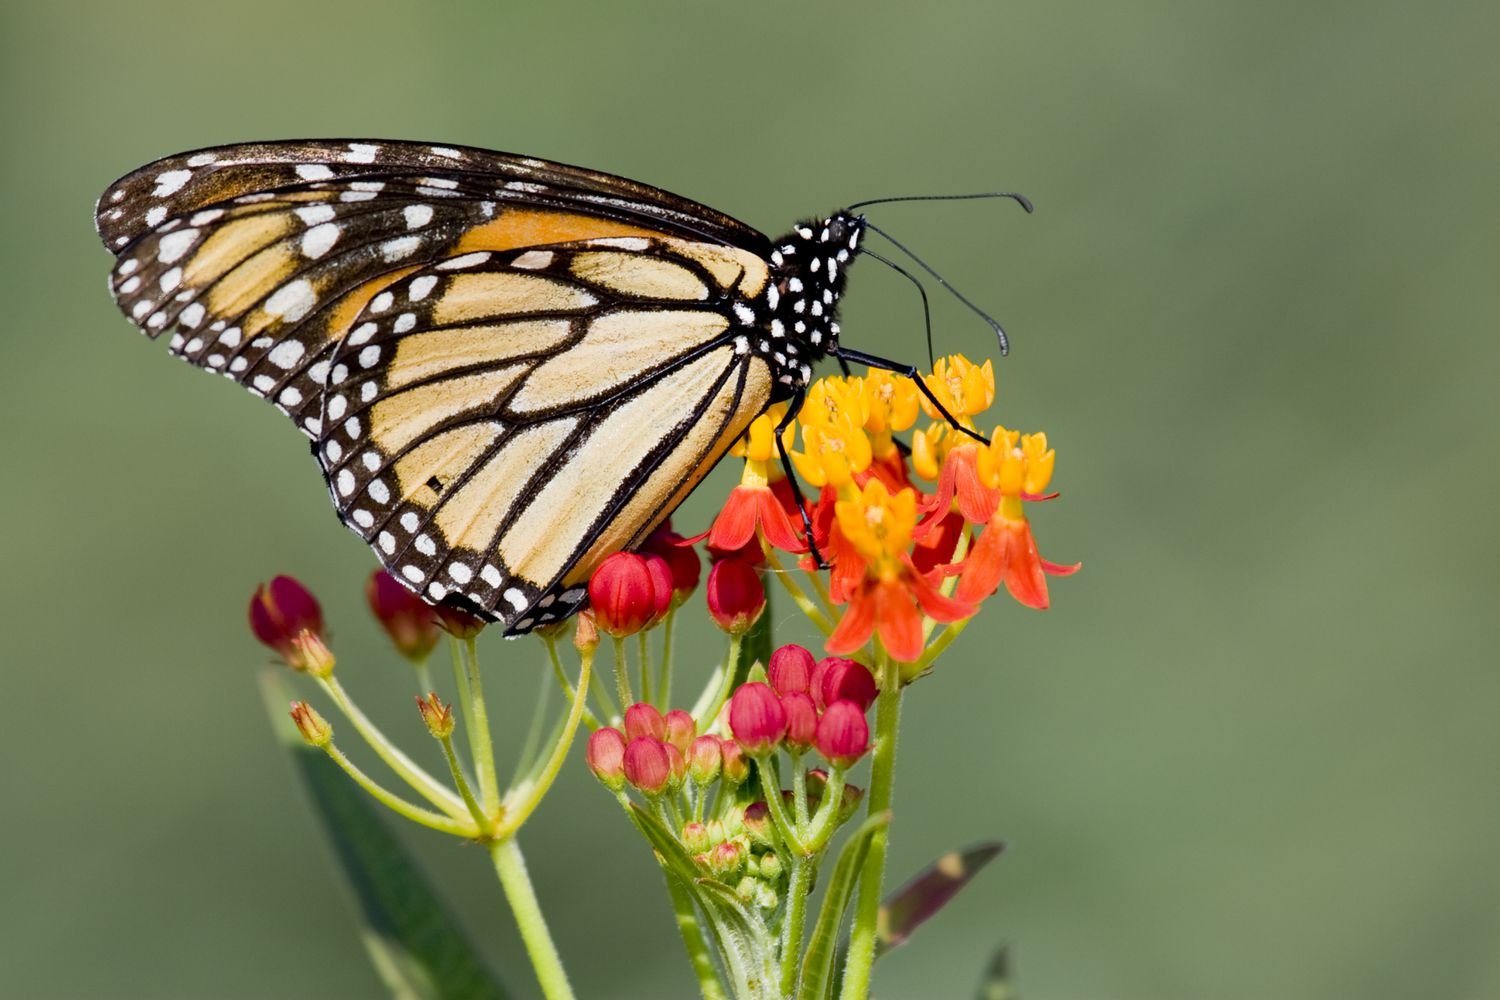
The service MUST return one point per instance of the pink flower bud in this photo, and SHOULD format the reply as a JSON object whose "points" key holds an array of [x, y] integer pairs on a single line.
{"points": [[843, 736], [758, 824], [736, 769], [606, 757], [695, 838], [756, 718], [622, 594], [801, 721], [727, 859], [790, 670], [844, 680], [286, 617], [705, 759], [642, 719], [647, 765], [676, 766], [680, 730], [736, 597], [406, 618]]}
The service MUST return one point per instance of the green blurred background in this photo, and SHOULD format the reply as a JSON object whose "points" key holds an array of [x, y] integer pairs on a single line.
{"points": [[1252, 750]]}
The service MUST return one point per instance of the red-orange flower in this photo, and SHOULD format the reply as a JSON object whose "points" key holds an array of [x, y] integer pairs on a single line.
{"points": [[1014, 468], [755, 509], [889, 597]]}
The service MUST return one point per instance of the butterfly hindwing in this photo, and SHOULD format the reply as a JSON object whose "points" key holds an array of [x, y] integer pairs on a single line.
{"points": [[497, 423]]}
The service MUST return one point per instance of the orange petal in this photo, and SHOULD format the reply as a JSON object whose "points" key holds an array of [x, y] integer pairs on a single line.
{"points": [[855, 627], [898, 621]]}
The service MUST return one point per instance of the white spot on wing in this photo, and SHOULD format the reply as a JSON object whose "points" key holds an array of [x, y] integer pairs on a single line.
{"points": [[174, 245], [319, 239], [286, 354], [422, 287], [313, 172], [399, 248], [292, 301], [171, 182], [515, 598], [417, 216], [313, 214]]}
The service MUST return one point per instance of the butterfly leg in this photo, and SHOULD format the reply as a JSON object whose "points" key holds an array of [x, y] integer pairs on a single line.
{"points": [[794, 407], [910, 371]]}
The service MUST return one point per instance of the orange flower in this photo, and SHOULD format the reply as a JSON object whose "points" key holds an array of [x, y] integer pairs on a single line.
{"points": [[874, 574], [754, 510]]}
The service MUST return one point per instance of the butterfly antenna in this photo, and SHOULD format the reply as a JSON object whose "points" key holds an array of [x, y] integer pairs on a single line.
{"points": [[926, 312], [1019, 199], [993, 323]]}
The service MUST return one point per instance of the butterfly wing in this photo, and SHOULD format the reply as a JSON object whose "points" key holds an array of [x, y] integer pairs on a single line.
{"points": [[498, 423], [396, 301]]}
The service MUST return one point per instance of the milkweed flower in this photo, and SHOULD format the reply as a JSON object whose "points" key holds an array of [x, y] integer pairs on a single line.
{"points": [[622, 594], [889, 596], [406, 618], [1012, 469], [736, 597], [755, 508]]}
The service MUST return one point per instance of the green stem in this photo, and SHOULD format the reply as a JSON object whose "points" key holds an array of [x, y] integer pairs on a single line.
{"points": [[519, 811], [882, 768], [799, 885], [709, 713], [424, 676], [398, 805], [692, 939], [510, 866], [825, 820], [562, 679], [479, 733], [644, 649], [664, 679], [798, 595], [461, 782], [531, 747], [770, 787], [409, 771], [622, 676], [799, 793]]}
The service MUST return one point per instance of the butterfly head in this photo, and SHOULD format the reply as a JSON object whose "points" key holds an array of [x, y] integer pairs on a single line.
{"points": [[809, 268]]}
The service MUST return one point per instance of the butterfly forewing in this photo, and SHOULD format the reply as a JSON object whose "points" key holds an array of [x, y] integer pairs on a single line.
{"points": [[511, 367]]}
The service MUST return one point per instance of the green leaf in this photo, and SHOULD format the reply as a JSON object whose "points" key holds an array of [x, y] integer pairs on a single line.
{"points": [[817, 961], [916, 902], [417, 948], [996, 983]]}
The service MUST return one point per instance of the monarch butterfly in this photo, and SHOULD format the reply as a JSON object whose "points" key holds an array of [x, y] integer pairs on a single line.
{"points": [[509, 368]]}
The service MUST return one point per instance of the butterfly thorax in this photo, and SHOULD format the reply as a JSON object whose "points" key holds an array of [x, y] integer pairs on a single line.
{"points": [[808, 272]]}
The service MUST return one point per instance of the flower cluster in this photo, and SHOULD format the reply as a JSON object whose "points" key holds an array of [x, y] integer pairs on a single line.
{"points": [[754, 829], [895, 545]]}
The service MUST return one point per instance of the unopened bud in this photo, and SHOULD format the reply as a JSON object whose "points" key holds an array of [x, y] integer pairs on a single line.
{"points": [[770, 866], [457, 622], [695, 838], [736, 766], [790, 670], [642, 719], [680, 729], [647, 765], [586, 635], [756, 718], [801, 721], [313, 727], [843, 735], [727, 859], [844, 680], [437, 716], [758, 824], [704, 760], [606, 757]]}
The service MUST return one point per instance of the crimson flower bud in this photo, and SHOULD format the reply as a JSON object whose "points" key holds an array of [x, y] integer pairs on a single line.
{"points": [[406, 618], [642, 719], [313, 727], [457, 622], [606, 757], [286, 617], [843, 736], [736, 597], [661, 585], [622, 594], [736, 769], [844, 680], [801, 721], [790, 670], [681, 558], [680, 730], [756, 717], [695, 838], [647, 765], [437, 716], [705, 760]]}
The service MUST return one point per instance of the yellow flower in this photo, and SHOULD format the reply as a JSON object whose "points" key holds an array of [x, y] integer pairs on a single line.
{"points": [[878, 525], [833, 453], [890, 407], [965, 388], [758, 444], [1017, 464], [930, 447], [835, 401]]}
